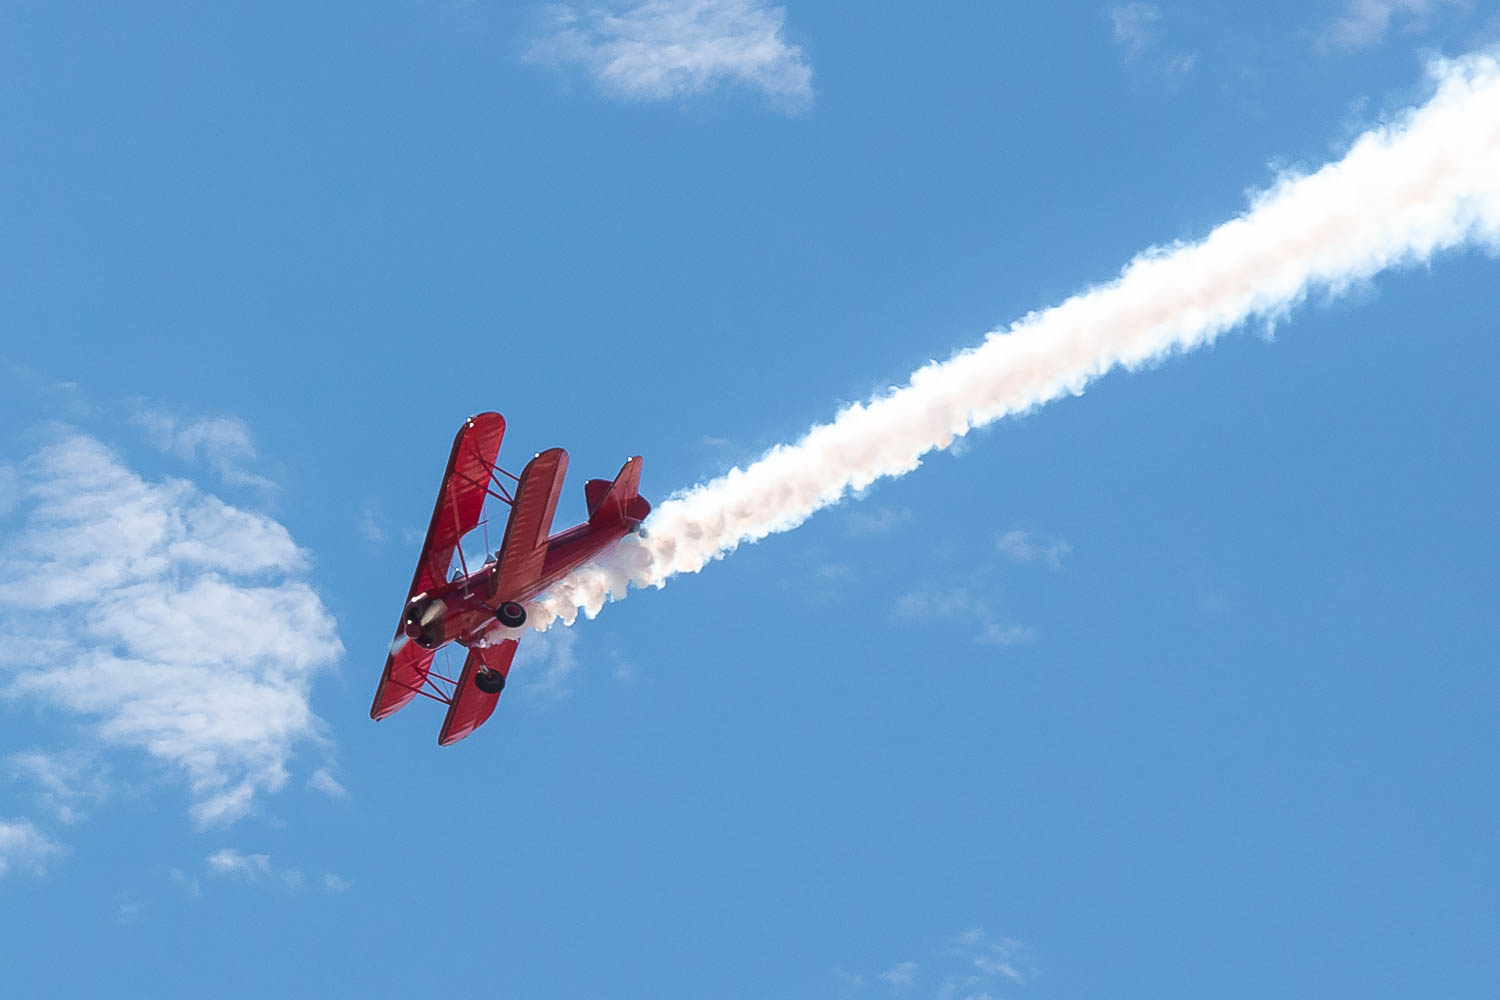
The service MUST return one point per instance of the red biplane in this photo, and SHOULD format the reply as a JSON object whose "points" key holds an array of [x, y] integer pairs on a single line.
{"points": [[474, 607]]}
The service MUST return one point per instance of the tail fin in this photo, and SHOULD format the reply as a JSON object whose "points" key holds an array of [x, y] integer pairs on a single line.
{"points": [[619, 501]]}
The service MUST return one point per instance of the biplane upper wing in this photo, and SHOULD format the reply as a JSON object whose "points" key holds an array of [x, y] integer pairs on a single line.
{"points": [[459, 504], [461, 498], [525, 546], [471, 707]]}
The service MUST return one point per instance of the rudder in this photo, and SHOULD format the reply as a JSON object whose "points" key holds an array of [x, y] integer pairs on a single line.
{"points": [[619, 500]]}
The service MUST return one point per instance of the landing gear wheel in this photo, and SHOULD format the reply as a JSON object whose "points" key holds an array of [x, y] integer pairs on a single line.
{"points": [[489, 681], [510, 614]]}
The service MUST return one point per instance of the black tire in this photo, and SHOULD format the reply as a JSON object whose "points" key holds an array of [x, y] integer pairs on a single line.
{"points": [[489, 681], [510, 614]]}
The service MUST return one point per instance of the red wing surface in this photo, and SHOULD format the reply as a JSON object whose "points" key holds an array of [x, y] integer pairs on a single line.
{"points": [[471, 707], [405, 673], [525, 546], [461, 498], [459, 503]]}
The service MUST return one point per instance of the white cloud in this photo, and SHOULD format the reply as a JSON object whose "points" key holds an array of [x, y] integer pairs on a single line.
{"points": [[1364, 23], [22, 845], [931, 604], [224, 444], [835, 572], [972, 966], [988, 959], [900, 977], [1181, 64], [66, 782], [229, 861], [961, 602], [547, 660], [323, 781], [1024, 547], [10, 489], [370, 525], [129, 909], [334, 883], [256, 868], [625, 671], [660, 49], [187, 883], [995, 634], [168, 620], [1134, 26], [847, 983], [877, 520]]}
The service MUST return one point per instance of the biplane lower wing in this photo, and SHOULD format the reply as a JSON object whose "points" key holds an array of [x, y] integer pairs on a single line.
{"points": [[471, 706], [460, 501], [406, 670], [525, 547]]}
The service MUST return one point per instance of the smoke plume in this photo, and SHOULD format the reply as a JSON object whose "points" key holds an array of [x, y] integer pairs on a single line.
{"points": [[1427, 181]]}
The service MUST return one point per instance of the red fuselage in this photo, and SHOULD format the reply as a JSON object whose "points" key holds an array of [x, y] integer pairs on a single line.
{"points": [[463, 610]]}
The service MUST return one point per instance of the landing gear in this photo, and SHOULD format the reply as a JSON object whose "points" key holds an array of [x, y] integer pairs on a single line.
{"points": [[489, 681], [510, 614]]}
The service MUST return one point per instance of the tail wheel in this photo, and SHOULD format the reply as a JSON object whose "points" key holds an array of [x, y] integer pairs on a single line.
{"points": [[510, 614], [489, 681]]}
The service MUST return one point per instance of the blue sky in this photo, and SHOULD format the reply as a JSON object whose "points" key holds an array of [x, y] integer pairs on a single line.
{"points": [[1181, 687]]}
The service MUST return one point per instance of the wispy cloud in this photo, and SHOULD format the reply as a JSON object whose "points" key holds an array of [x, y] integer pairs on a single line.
{"points": [[129, 909], [322, 780], [548, 662], [1134, 26], [1180, 64], [224, 443], [877, 520], [10, 489], [1364, 23], [989, 960], [335, 883], [962, 601], [932, 603], [66, 783], [23, 846], [187, 883], [229, 861], [625, 671], [1025, 547], [663, 49], [1004, 636], [901, 977], [254, 868], [167, 620], [971, 966], [371, 524]]}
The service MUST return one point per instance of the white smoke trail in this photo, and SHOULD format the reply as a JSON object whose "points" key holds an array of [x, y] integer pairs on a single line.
{"points": [[1428, 181]]}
